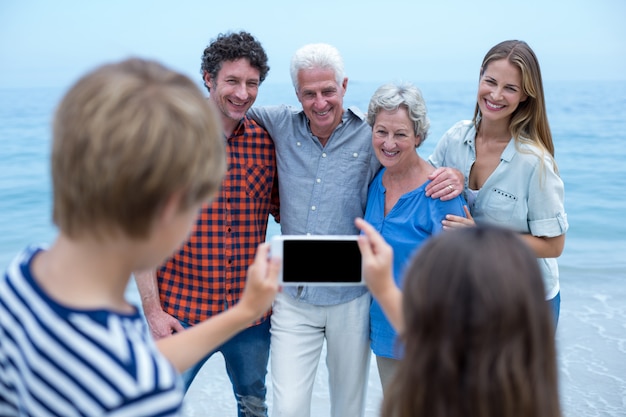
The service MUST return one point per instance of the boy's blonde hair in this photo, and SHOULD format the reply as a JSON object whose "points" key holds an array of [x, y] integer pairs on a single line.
{"points": [[127, 137]]}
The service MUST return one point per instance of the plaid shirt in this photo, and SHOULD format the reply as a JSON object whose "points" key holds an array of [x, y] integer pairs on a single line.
{"points": [[208, 274]]}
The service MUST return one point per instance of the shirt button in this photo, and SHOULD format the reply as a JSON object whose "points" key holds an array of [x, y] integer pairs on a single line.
{"points": [[298, 143], [313, 208], [318, 180], [324, 155], [355, 154]]}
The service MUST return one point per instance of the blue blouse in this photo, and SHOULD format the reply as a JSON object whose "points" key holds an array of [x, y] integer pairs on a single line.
{"points": [[413, 219]]}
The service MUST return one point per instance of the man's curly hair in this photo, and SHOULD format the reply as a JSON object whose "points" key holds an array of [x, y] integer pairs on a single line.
{"points": [[231, 47]]}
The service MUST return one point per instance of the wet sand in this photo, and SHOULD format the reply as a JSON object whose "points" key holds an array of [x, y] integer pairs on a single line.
{"points": [[210, 394], [591, 345]]}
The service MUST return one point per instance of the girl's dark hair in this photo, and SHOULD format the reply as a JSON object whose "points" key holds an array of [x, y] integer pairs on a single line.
{"points": [[479, 335]]}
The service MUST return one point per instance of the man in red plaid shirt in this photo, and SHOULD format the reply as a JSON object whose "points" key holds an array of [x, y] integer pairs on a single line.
{"points": [[208, 274]]}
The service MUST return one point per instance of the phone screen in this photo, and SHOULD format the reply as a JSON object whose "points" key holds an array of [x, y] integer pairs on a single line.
{"points": [[321, 261]]}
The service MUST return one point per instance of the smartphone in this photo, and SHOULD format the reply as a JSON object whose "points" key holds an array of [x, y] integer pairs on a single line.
{"points": [[318, 259]]}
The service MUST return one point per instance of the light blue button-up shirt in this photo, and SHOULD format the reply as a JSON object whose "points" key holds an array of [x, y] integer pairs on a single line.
{"points": [[523, 193], [322, 188]]}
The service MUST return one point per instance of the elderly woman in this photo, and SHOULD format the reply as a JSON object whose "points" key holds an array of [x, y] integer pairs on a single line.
{"points": [[397, 206]]}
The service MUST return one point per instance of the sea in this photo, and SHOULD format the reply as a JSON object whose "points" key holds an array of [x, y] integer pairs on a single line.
{"points": [[588, 122]]}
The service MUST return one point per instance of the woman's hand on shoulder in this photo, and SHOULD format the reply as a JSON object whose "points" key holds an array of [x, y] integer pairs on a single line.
{"points": [[445, 183]]}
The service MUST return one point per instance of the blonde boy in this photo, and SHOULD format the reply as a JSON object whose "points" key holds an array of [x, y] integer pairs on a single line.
{"points": [[136, 150]]}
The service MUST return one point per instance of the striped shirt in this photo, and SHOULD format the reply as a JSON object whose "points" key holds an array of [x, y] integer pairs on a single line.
{"points": [[59, 361], [208, 274]]}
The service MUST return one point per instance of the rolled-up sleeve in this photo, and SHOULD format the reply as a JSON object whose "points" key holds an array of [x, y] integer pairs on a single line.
{"points": [[546, 211]]}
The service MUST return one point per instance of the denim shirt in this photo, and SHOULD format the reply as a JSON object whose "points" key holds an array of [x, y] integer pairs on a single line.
{"points": [[524, 193], [322, 188]]}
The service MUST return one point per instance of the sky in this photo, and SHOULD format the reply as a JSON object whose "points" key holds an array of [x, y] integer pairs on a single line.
{"points": [[46, 43]]}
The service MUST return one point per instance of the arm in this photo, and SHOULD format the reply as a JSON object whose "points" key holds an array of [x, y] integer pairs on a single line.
{"points": [[446, 183], [161, 324], [377, 268], [546, 197], [275, 201], [448, 160], [186, 348], [545, 247]]}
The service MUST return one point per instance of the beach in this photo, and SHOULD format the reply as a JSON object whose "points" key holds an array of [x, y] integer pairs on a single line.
{"points": [[210, 394], [588, 120], [591, 346]]}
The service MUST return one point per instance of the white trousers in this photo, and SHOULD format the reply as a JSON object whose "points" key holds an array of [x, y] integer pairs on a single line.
{"points": [[297, 337]]}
